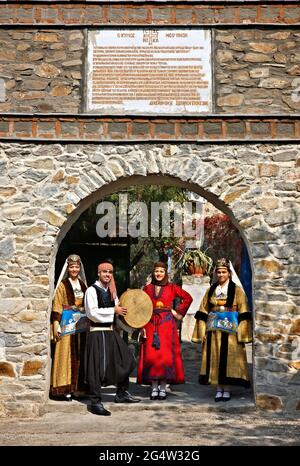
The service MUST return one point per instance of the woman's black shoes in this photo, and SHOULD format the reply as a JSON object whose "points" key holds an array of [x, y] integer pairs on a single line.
{"points": [[222, 395], [219, 396], [162, 395], [154, 394], [226, 396]]}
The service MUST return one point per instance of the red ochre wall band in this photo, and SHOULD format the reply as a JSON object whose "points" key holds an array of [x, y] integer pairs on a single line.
{"points": [[149, 13]]}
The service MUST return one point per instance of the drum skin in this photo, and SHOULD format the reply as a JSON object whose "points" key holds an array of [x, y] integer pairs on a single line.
{"points": [[139, 308]]}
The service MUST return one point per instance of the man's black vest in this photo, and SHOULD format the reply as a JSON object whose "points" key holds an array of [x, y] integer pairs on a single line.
{"points": [[104, 300]]}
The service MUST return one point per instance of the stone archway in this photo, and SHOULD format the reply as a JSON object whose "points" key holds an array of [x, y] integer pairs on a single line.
{"points": [[56, 184]]}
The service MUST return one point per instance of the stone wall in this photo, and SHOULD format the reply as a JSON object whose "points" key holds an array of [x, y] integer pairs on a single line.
{"points": [[43, 189], [255, 69], [42, 70]]}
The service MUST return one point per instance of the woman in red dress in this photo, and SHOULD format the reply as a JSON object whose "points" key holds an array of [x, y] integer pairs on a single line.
{"points": [[160, 359]]}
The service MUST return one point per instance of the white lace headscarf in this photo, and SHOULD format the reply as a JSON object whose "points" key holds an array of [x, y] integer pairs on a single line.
{"points": [[73, 258], [234, 277]]}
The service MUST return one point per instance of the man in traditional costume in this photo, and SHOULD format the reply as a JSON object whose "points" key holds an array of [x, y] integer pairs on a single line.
{"points": [[67, 368], [160, 359], [223, 325], [108, 361]]}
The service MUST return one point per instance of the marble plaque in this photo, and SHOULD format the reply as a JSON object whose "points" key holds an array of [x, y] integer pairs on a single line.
{"points": [[149, 71]]}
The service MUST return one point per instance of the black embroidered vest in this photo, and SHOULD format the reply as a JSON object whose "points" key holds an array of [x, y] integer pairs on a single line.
{"points": [[104, 300]]}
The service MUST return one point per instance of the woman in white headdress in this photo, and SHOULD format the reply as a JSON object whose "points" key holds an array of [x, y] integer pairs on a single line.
{"points": [[223, 326], [67, 369]]}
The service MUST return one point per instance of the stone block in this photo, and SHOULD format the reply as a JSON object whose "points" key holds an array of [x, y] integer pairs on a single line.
{"points": [[52, 217], [294, 70], [69, 128], [4, 127], [295, 365], [60, 90], [7, 370], [274, 83], [224, 56], [268, 169], [32, 367], [281, 217], [45, 127], [225, 15], [253, 57], [205, 15], [164, 128], [117, 127], [140, 129], [189, 129], [184, 15], [35, 291], [269, 402], [8, 55], [93, 129], [92, 15], [7, 247], [213, 128], [232, 196], [270, 337], [116, 15], [137, 15], [263, 47], [235, 128], [280, 35], [287, 46], [49, 15], [23, 409], [71, 15], [36, 84], [268, 203], [45, 37], [24, 127], [233, 100], [295, 327], [71, 63], [247, 14], [227, 38], [46, 70], [285, 129], [270, 266], [285, 156]]}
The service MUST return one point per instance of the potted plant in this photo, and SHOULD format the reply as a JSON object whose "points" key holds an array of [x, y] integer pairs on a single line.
{"points": [[196, 262]]}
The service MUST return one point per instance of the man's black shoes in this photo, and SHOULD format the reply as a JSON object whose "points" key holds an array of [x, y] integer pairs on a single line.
{"points": [[125, 397], [99, 409]]}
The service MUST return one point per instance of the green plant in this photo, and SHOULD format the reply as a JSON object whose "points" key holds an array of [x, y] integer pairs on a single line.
{"points": [[196, 262]]}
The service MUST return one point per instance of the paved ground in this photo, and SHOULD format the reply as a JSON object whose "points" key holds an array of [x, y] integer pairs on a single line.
{"points": [[188, 417]]}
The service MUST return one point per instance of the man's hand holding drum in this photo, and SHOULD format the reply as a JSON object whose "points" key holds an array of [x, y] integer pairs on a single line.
{"points": [[121, 311]]}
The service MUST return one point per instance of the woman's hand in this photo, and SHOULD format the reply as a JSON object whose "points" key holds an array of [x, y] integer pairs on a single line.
{"points": [[56, 330], [176, 315]]}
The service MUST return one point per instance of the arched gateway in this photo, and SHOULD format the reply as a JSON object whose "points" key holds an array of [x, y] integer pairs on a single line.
{"points": [[48, 186]]}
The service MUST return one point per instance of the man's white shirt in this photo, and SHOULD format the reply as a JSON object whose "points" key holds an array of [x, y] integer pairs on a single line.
{"points": [[94, 313]]}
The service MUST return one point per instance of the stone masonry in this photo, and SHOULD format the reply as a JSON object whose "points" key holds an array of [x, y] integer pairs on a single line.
{"points": [[55, 160], [43, 70], [43, 189]]}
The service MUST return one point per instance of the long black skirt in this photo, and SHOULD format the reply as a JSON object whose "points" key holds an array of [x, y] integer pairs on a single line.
{"points": [[108, 361]]}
